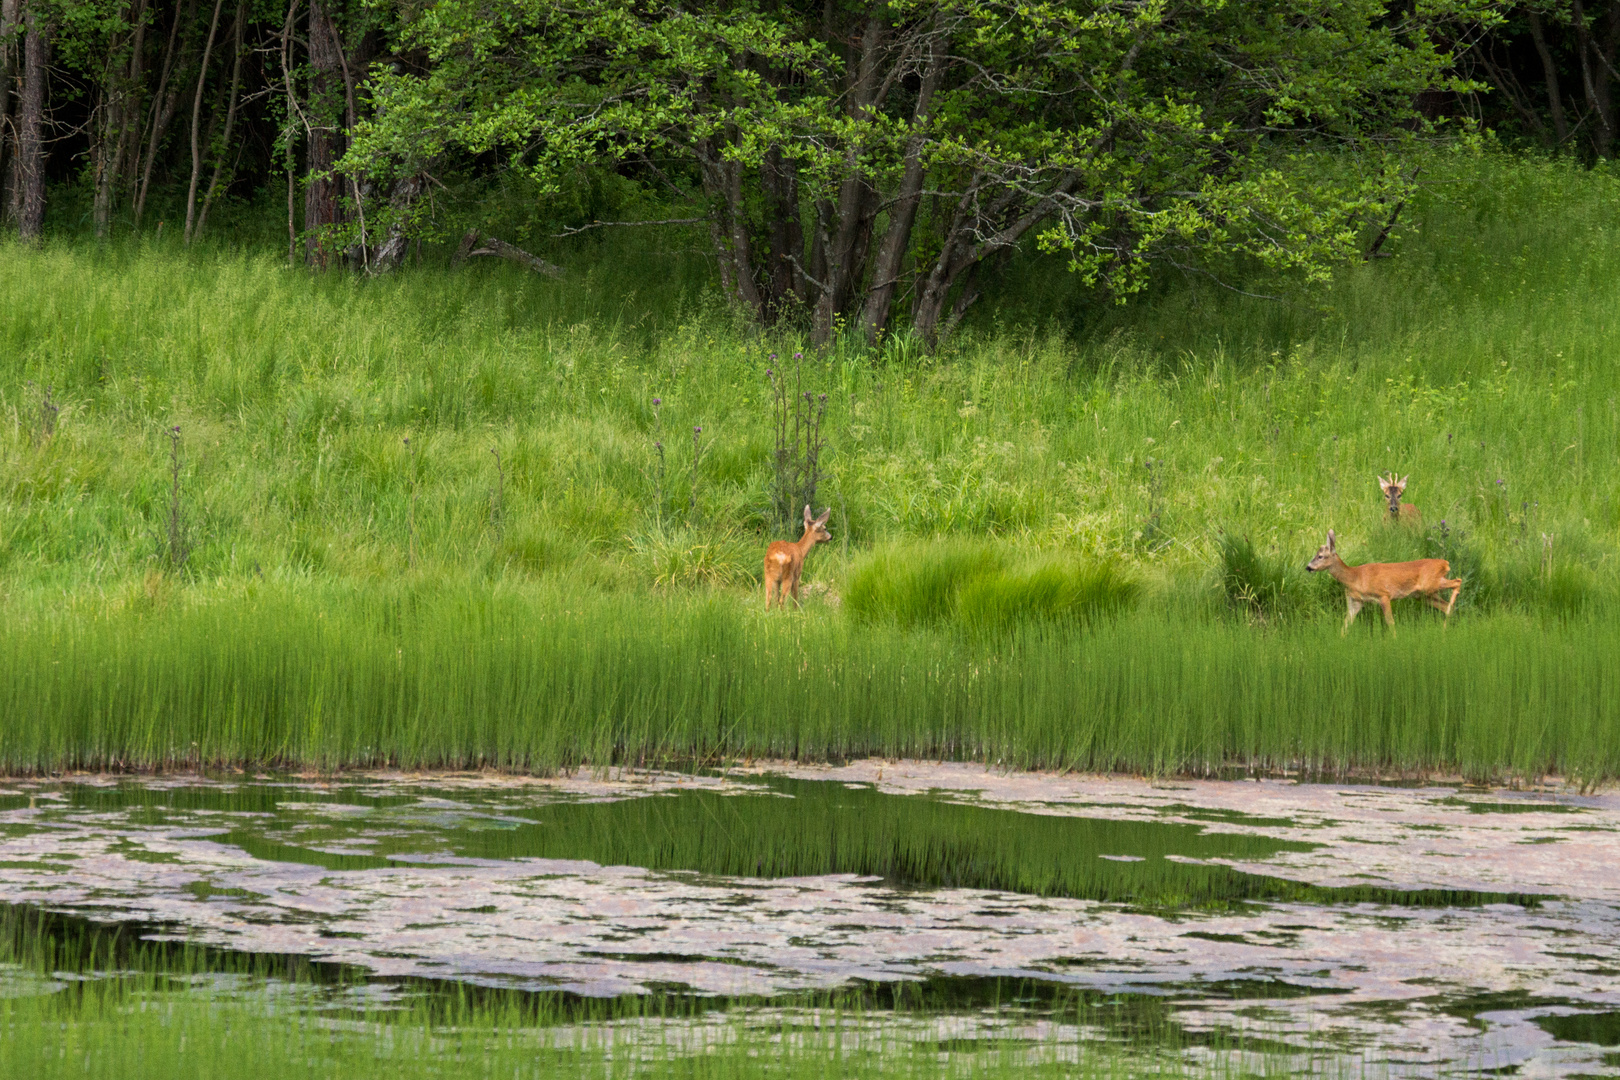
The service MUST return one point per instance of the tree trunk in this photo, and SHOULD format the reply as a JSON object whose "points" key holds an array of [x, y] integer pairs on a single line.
{"points": [[1596, 85], [356, 59], [780, 180], [897, 237], [501, 249], [107, 153], [741, 245], [114, 122], [327, 107], [196, 117], [234, 96], [817, 275], [291, 130], [930, 304], [391, 252], [164, 105], [966, 246], [131, 101], [1549, 71], [728, 226], [1605, 48], [103, 147], [856, 199], [9, 11], [29, 187]]}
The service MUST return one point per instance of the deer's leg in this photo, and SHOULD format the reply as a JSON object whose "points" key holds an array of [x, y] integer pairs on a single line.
{"points": [[1355, 609], [796, 599], [1389, 614], [1456, 587]]}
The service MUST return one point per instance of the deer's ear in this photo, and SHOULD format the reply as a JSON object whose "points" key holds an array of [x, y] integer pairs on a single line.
{"points": [[825, 514], [807, 515], [1405, 478], [1332, 544]]}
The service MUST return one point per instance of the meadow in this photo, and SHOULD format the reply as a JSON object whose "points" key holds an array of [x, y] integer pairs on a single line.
{"points": [[465, 517]]}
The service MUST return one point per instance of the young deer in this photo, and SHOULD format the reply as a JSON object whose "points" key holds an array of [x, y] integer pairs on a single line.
{"points": [[1383, 582], [1399, 513], [784, 561]]}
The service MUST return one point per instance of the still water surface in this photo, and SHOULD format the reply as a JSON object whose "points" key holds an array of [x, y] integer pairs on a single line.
{"points": [[1409, 927]]}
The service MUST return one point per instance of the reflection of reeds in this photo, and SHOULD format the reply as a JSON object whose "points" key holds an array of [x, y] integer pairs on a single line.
{"points": [[827, 827], [140, 1010], [548, 678]]}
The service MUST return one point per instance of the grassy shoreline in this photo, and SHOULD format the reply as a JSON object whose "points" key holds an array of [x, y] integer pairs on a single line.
{"points": [[439, 520]]}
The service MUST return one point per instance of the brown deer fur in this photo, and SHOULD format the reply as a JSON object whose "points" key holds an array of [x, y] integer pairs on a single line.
{"points": [[784, 561], [1383, 582]]}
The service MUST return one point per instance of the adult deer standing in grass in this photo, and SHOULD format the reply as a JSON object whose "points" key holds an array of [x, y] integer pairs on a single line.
{"points": [[1399, 513], [1383, 582], [784, 560]]}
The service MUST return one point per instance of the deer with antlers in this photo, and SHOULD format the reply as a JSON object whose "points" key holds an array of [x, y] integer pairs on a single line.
{"points": [[1399, 513], [1383, 582], [784, 560]]}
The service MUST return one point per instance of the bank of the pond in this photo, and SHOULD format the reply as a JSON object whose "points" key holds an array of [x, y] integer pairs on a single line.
{"points": [[539, 683]]}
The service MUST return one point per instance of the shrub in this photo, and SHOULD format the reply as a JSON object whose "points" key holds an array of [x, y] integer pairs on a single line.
{"points": [[1262, 587], [668, 556], [974, 587], [916, 584], [1050, 593]]}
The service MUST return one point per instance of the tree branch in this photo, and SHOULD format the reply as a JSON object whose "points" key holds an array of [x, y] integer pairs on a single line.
{"points": [[609, 224], [501, 249]]}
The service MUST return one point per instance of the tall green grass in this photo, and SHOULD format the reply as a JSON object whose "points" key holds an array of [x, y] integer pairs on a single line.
{"points": [[303, 674], [350, 597], [1478, 361]]}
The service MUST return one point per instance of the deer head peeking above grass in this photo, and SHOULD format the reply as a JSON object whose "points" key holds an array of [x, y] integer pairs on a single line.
{"points": [[1399, 513]]}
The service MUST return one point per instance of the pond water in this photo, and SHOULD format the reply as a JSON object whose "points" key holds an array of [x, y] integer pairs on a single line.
{"points": [[1402, 927]]}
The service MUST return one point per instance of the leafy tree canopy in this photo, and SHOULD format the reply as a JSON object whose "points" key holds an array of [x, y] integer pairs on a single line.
{"points": [[855, 159]]}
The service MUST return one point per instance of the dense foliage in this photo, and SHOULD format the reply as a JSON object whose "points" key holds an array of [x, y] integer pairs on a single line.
{"points": [[859, 165], [856, 154], [855, 164]]}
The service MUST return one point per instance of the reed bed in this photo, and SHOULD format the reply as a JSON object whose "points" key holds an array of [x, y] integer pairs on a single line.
{"points": [[560, 679]]}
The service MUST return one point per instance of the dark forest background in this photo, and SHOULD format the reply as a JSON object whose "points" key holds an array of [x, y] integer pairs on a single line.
{"points": [[204, 118]]}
